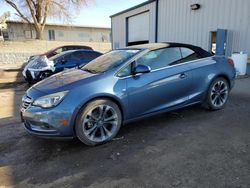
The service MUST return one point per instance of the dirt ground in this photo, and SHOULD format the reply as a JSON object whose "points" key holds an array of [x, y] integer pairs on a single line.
{"points": [[191, 147]]}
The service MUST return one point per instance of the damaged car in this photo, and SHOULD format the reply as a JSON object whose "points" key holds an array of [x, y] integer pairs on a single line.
{"points": [[42, 67]]}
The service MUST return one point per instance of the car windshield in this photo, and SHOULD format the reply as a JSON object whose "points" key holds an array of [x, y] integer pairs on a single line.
{"points": [[109, 60]]}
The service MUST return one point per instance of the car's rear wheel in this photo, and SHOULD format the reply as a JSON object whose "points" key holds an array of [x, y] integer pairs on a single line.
{"points": [[217, 94], [98, 122]]}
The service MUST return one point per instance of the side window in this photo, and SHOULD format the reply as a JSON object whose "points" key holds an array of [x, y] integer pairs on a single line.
{"points": [[59, 50], [71, 48], [87, 55], [79, 55], [78, 47], [67, 48], [125, 71], [83, 47], [67, 58], [188, 55], [91, 55], [75, 48], [161, 58], [64, 58], [64, 49]]}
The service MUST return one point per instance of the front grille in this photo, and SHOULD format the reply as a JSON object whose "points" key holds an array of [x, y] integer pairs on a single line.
{"points": [[26, 101]]}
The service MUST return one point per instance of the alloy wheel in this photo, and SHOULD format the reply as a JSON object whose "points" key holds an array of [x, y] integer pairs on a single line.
{"points": [[100, 123], [219, 93]]}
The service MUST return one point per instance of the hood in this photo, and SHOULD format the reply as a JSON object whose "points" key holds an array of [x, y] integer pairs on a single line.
{"points": [[40, 62], [64, 81]]}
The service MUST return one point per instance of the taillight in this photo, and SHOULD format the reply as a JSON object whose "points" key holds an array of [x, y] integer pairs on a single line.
{"points": [[230, 61]]}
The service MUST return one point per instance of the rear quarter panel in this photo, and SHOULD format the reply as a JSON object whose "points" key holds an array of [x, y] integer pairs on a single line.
{"points": [[225, 69], [205, 71]]}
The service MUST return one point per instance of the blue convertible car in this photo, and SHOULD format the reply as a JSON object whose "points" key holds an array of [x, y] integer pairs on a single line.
{"points": [[93, 101]]}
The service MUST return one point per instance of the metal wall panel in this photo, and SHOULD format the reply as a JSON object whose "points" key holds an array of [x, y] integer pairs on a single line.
{"points": [[119, 25], [178, 23]]}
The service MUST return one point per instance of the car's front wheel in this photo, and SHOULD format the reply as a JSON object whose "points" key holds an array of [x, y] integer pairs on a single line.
{"points": [[98, 122], [217, 94]]}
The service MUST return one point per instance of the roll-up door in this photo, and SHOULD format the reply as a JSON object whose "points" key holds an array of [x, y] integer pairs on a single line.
{"points": [[138, 29]]}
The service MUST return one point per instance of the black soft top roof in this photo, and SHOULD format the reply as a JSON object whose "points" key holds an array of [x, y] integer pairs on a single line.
{"points": [[155, 46]]}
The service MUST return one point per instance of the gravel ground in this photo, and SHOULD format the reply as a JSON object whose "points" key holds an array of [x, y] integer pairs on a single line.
{"points": [[191, 147]]}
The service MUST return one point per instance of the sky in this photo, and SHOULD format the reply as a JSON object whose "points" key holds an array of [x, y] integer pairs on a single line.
{"points": [[96, 13]]}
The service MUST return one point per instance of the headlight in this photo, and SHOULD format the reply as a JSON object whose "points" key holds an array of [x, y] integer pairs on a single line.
{"points": [[51, 100]]}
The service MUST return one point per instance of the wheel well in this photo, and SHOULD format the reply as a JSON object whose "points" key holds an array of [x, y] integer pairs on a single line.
{"points": [[104, 97], [111, 99], [225, 77]]}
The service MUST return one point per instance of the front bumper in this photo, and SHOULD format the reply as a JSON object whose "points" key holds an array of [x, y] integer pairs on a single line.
{"points": [[31, 76], [54, 122], [34, 74], [46, 124], [45, 135]]}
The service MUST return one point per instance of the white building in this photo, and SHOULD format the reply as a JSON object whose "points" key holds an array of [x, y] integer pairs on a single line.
{"points": [[186, 21], [21, 31]]}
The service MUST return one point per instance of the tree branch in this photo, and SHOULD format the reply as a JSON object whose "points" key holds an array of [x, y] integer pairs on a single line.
{"points": [[32, 13], [13, 5], [46, 10], [36, 12]]}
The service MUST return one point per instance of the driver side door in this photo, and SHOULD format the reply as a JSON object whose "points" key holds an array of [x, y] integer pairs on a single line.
{"points": [[165, 86]]}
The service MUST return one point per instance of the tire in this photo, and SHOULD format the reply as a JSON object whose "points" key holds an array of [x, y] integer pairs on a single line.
{"points": [[98, 122], [217, 94]]}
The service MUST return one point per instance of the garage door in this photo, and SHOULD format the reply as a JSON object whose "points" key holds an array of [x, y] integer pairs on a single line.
{"points": [[138, 29]]}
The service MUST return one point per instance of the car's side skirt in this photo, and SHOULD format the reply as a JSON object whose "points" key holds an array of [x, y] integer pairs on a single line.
{"points": [[160, 112]]}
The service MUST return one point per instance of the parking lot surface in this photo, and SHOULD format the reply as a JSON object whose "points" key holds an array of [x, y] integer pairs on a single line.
{"points": [[191, 147]]}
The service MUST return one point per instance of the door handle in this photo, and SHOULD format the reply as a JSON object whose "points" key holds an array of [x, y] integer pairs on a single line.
{"points": [[183, 75]]}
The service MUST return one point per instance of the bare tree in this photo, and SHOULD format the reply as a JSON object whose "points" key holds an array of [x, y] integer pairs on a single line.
{"points": [[37, 11]]}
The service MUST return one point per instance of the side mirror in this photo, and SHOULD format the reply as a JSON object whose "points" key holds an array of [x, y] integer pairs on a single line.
{"points": [[141, 69]]}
